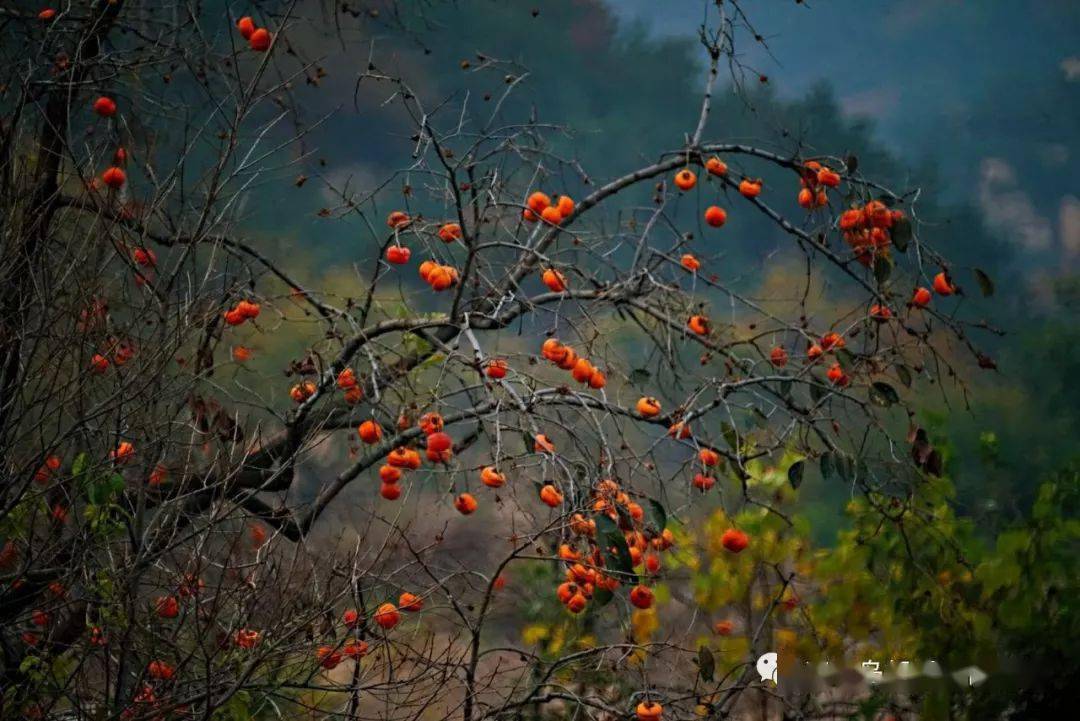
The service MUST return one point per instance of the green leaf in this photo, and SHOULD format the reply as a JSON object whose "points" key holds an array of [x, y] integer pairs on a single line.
{"points": [[732, 438], [795, 474], [901, 234], [904, 375], [846, 359], [601, 597], [28, 663], [103, 492], [883, 394], [882, 269], [845, 469], [639, 376], [658, 515], [78, 466], [828, 465], [433, 359], [706, 664], [986, 285], [616, 552], [235, 709], [625, 519]]}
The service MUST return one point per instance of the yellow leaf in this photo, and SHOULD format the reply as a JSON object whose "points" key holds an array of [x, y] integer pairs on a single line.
{"points": [[784, 638], [534, 634], [644, 623]]}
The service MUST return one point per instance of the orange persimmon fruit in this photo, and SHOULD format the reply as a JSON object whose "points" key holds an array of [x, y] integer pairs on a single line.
{"points": [[641, 596], [370, 432], [491, 477], [685, 179], [260, 40], [715, 216], [716, 166], [246, 26], [734, 540], [465, 504], [105, 106], [648, 407], [750, 188], [554, 280], [114, 177], [387, 616]]}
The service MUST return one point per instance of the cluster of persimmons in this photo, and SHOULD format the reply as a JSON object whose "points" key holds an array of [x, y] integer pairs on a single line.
{"points": [[829, 343], [242, 311], [566, 358], [814, 179], [258, 38], [114, 176], [587, 554], [348, 382], [386, 616], [538, 206], [436, 275], [117, 353], [440, 276], [439, 450], [867, 229]]}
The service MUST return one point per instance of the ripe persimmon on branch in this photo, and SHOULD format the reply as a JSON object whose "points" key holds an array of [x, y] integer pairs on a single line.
{"points": [[184, 533]]}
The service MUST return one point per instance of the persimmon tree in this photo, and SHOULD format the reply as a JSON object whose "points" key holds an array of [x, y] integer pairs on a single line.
{"points": [[542, 374]]}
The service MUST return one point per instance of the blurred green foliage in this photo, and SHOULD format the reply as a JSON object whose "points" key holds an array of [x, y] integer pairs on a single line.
{"points": [[918, 583]]}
